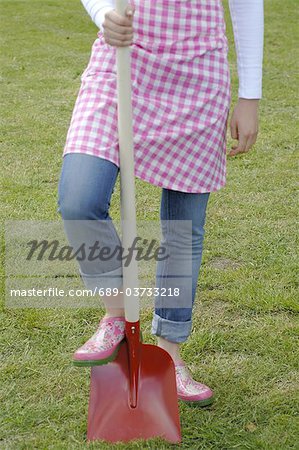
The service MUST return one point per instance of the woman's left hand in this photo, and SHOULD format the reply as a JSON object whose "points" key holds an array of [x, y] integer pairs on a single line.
{"points": [[244, 125]]}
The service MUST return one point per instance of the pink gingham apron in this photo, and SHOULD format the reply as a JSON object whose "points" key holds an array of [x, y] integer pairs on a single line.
{"points": [[181, 96]]}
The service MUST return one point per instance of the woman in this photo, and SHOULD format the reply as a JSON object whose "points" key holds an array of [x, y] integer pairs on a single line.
{"points": [[181, 99]]}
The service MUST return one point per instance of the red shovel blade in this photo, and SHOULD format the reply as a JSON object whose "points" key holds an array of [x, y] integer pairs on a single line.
{"points": [[110, 416]]}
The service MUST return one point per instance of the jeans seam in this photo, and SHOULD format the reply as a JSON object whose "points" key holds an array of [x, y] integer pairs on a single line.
{"points": [[113, 233], [166, 266]]}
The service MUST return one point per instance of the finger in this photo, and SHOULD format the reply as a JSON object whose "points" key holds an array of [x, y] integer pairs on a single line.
{"points": [[117, 43], [250, 142], [240, 147], [117, 19], [110, 28], [130, 10], [110, 34], [233, 129]]}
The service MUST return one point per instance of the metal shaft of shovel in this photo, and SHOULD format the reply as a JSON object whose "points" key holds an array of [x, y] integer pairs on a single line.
{"points": [[128, 209]]}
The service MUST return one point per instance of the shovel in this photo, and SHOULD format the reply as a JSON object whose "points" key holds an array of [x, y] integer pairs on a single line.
{"points": [[135, 396]]}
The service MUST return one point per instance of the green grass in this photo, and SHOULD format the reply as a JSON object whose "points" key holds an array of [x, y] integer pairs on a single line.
{"points": [[245, 336]]}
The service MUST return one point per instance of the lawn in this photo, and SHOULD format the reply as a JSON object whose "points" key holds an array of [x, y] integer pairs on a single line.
{"points": [[244, 341]]}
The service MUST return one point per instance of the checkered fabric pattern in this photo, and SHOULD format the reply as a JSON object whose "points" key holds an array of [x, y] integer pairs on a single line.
{"points": [[181, 96]]}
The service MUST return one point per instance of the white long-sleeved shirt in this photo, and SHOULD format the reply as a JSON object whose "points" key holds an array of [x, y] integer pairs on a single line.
{"points": [[248, 27]]}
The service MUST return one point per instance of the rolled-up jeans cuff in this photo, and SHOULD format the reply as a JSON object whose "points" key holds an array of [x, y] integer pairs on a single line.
{"points": [[112, 279], [172, 331]]}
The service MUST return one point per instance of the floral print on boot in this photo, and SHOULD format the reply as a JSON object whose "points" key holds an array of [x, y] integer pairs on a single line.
{"points": [[103, 346], [190, 390]]}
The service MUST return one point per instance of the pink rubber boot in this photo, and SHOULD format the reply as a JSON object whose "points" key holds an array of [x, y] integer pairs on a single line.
{"points": [[103, 346], [190, 390]]}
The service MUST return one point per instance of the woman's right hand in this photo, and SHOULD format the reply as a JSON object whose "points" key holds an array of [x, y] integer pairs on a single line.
{"points": [[118, 29]]}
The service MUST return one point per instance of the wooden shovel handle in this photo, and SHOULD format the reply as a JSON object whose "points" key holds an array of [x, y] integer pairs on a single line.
{"points": [[127, 181]]}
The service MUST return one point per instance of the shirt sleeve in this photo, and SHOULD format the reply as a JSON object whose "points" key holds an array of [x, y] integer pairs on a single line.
{"points": [[248, 27], [97, 10]]}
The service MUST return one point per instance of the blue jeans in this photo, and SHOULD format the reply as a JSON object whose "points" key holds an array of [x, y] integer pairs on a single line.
{"points": [[85, 188]]}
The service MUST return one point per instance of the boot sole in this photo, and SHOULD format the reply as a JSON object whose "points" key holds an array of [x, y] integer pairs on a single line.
{"points": [[200, 403], [97, 362], [100, 362]]}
